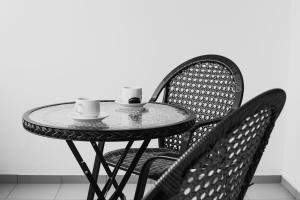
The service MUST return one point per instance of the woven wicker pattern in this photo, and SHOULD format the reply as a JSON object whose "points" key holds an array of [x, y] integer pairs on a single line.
{"points": [[102, 135], [206, 88], [209, 85], [159, 166], [200, 132], [222, 164], [220, 173]]}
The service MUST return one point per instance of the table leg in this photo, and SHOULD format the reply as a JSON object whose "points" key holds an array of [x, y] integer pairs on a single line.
{"points": [[99, 159], [85, 169], [96, 168], [112, 181], [128, 173], [117, 167]]}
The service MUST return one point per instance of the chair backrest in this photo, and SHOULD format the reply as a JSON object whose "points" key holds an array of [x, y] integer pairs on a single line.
{"points": [[209, 85], [221, 165]]}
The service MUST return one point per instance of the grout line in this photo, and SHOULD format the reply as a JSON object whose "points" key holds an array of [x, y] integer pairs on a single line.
{"points": [[60, 186], [11, 191]]}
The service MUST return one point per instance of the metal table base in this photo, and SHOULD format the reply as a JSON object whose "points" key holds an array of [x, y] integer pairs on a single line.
{"points": [[99, 159]]}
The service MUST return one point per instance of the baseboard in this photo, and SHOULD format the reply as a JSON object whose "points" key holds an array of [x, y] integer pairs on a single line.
{"points": [[101, 179], [8, 178], [290, 188], [11, 178], [266, 179]]}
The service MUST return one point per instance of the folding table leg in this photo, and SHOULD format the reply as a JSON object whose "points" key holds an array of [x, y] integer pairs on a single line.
{"points": [[133, 164], [96, 169], [85, 169], [117, 167], [112, 180]]}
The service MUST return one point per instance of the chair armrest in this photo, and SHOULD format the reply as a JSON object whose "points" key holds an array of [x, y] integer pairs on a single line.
{"points": [[169, 155], [187, 136], [149, 162], [210, 121], [139, 193], [204, 123]]}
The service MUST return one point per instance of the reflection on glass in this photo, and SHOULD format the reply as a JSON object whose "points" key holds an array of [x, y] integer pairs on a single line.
{"points": [[88, 125], [153, 115]]}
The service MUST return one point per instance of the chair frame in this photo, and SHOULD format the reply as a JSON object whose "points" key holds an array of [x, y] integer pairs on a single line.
{"points": [[170, 182], [231, 66]]}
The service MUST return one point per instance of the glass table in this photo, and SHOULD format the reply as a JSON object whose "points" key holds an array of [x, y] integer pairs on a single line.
{"points": [[154, 120]]}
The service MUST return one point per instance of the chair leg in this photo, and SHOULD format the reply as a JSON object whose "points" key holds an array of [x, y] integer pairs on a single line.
{"points": [[141, 185]]}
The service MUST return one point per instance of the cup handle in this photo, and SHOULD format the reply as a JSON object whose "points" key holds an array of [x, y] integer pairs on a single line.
{"points": [[79, 108]]}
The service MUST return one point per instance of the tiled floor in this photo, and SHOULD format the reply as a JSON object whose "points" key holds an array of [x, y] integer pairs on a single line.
{"points": [[79, 191]]}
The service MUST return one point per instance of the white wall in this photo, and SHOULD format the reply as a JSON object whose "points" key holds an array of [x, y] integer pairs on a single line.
{"points": [[292, 148], [54, 51]]}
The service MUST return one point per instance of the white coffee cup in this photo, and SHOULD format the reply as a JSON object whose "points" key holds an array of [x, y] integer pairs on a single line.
{"points": [[87, 107], [128, 93]]}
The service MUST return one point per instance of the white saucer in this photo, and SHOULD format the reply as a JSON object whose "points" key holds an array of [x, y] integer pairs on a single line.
{"points": [[131, 105], [76, 117]]}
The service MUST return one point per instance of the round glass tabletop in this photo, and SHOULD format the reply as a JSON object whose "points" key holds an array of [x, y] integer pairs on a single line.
{"points": [[154, 120]]}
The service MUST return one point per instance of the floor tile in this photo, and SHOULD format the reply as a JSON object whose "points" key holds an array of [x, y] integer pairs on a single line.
{"points": [[72, 191], [5, 189], [34, 192], [79, 191], [128, 191], [268, 192]]}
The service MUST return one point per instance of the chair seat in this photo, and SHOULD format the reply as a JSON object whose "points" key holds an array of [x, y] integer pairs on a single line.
{"points": [[157, 168]]}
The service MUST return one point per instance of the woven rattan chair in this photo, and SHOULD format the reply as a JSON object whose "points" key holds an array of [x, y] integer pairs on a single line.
{"points": [[211, 86], [221, 165]]}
